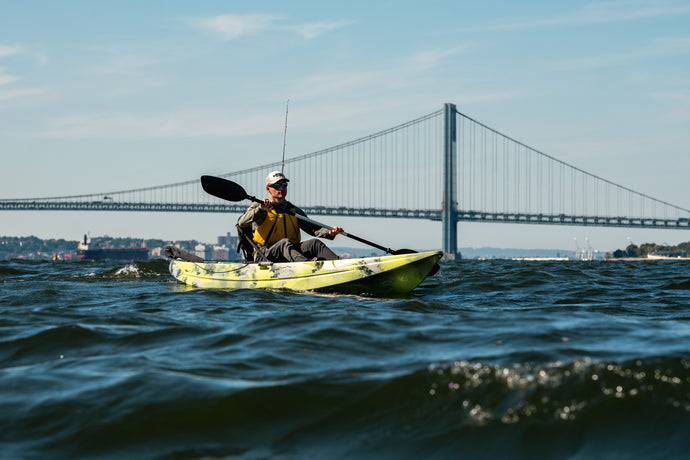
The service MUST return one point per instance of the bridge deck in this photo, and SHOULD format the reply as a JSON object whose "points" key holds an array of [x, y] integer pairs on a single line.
{"points": [[429, 214]]}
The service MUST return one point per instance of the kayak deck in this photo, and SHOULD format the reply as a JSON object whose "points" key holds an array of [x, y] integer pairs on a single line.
{"points": [[376, 276]]}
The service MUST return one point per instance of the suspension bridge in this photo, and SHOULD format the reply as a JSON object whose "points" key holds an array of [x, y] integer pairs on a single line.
{"points": [[444, 166]]}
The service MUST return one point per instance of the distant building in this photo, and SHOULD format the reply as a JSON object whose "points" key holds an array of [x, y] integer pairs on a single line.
{"points": [[220, 253], [186, 245], [228, 240], [203, 251], [224, 250]]}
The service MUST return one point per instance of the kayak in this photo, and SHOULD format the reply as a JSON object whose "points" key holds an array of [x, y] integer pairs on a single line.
{"points": [[372, 276]]}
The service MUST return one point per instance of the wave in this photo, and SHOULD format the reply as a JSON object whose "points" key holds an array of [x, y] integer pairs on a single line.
{"points": [[105, 358], [136, 270], [581, 409], [88, 271]]}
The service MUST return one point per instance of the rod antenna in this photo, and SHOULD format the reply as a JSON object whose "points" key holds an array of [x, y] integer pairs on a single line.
{"points": [[282, 164]]}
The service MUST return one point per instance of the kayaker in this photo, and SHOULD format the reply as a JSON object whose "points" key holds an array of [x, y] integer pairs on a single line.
{"points": [[277, 232]]}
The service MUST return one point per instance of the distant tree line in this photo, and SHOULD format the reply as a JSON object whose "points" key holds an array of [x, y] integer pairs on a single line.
{"points": [[32, 247], [632, 250]]}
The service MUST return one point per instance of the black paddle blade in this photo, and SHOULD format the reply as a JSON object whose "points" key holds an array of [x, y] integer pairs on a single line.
{"points": [[223, 188], [402, 251]]}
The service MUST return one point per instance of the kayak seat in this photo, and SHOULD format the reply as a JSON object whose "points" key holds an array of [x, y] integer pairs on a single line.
{"points": [[248, 248], [173, 252]]}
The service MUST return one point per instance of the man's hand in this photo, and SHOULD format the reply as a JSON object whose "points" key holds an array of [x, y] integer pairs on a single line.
{"points": [[266, 205], [335, 231]]}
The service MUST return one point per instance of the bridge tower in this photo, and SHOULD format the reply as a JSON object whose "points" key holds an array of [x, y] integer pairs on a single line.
{"points": [[449, 210]]}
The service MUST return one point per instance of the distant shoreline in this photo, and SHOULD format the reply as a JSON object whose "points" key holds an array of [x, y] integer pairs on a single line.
{"points": [[648, 258]]}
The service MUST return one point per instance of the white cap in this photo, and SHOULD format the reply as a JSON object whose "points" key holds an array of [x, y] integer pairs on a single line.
{"points": [[275, 176]]}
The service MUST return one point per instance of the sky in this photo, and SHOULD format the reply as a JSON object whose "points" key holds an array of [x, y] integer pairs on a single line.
{"points": [[112, 95]]}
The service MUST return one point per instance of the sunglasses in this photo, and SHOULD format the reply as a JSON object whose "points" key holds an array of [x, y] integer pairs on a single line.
{"points": [[279, 185]]}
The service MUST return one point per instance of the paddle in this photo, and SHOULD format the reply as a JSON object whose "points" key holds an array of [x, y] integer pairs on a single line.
{"points": [[231, 191]]}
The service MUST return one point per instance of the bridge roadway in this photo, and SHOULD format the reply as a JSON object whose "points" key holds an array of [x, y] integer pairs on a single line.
{"points": [[460, 215]]}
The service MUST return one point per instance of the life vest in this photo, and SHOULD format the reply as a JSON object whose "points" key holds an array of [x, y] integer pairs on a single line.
{"points": [[276, 227]]}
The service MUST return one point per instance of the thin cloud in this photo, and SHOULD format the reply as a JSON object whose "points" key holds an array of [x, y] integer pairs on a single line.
{"points": [[328, 84], [672, 45], [659, 48], [598, 13], [169, 125], [6, 78], [678, 104], [310, 31], [389, 74], [6, 95], [428, 59], [121, 65], [6, 51], [231, 26], [673, 97], [392, 74]]}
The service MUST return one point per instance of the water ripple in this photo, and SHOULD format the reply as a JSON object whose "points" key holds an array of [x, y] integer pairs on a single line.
{"points": [[497, 358]]}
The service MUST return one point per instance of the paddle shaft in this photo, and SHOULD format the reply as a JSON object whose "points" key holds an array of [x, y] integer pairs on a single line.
{"points": [[349, 235], [231, 191]]}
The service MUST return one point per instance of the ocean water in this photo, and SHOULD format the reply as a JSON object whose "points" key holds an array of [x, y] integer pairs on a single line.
{"points": [[487, 359]]}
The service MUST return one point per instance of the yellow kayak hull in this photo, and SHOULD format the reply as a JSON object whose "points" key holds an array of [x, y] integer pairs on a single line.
{"points": [[378, 276]]}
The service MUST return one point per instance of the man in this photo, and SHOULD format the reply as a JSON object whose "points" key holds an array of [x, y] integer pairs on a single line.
{"points": [[277, 231]]}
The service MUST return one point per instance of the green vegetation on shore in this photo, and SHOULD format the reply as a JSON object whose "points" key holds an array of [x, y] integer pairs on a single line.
{"points": [[34, 248], [680, 250]]}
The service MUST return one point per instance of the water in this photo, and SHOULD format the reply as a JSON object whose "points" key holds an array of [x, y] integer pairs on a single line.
{"points": [[487, 359]]}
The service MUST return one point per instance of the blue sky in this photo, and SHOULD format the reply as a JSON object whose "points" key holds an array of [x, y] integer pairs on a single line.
{"points": [[98, 96]]}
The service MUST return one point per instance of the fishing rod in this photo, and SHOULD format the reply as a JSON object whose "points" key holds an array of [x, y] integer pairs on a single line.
{"points": [[282, 164]]}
